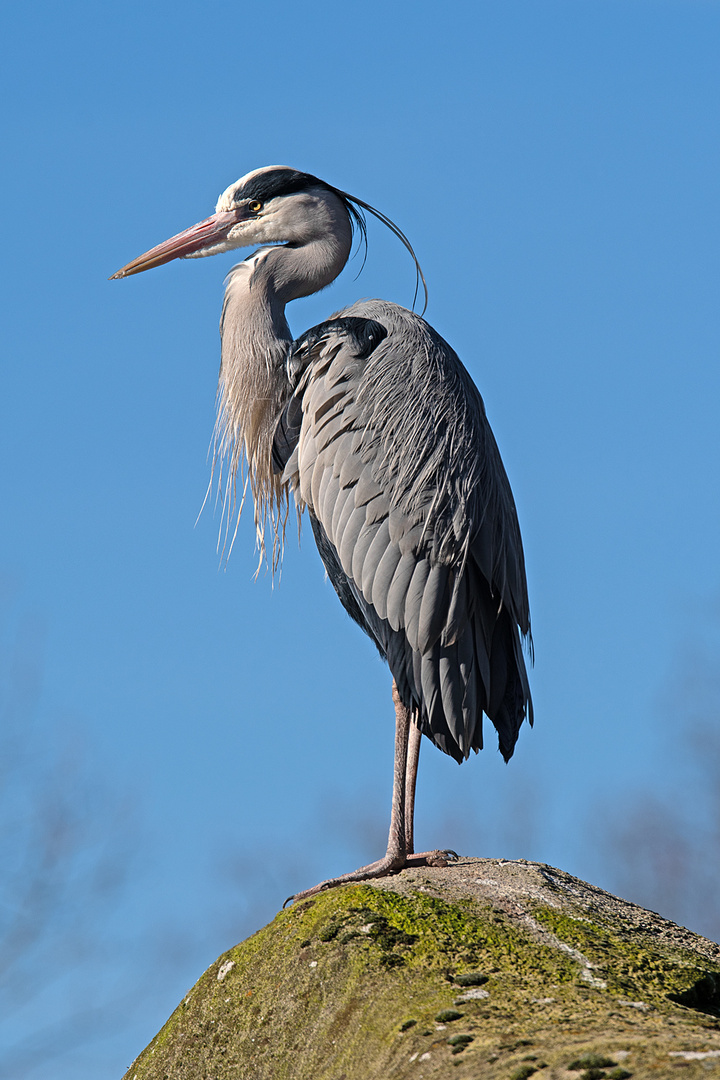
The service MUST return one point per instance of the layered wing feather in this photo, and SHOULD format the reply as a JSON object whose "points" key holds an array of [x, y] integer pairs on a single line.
{"points": [[386, 442]]}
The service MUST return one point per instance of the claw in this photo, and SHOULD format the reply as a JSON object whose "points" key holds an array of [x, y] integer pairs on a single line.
{"points": [[311, 892]]}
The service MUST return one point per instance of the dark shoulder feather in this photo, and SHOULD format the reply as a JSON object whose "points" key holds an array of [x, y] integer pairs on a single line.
{"points": [[363, 335]]}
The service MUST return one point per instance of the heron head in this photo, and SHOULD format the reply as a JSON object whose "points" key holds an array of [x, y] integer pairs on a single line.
{"points": [[268, 206]]}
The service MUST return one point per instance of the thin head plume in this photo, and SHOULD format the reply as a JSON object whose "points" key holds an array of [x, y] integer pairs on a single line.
{"points": [[352, 202]]}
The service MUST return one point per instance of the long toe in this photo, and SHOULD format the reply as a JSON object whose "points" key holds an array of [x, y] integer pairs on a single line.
{"points": [[390, 864], [432, 858]]}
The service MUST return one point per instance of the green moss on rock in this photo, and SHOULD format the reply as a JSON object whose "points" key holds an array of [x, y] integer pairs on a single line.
{"points": [[355, 984], [632, 967]]}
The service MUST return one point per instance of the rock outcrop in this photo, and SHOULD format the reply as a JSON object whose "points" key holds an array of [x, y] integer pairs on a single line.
{"points": [[485, 970]]}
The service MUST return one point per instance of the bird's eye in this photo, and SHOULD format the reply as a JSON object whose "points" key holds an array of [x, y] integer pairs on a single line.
{"points": [[255, 207]]}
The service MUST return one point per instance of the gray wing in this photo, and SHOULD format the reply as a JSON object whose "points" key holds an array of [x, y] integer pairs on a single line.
{"points": [[386, 442]]}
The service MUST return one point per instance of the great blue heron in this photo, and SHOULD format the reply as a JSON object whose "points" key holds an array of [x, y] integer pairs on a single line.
{"points": [[374, 424]]}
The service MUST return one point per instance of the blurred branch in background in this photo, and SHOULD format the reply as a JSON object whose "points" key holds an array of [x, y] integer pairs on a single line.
{"points": [[68, 977], [662, 847], [255, 878], [63, 866]]}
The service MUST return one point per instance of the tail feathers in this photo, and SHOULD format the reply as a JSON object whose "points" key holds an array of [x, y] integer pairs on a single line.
{"points": [[510, 699]]}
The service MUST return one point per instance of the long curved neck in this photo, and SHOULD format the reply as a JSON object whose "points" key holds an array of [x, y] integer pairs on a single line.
{"points": [[253, 387]]}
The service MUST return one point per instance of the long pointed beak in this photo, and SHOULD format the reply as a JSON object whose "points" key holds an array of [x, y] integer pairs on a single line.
{"points": [[206, 234]]}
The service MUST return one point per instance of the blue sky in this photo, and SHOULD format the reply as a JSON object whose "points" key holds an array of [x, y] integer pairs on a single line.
{"points": [[555, 165]]}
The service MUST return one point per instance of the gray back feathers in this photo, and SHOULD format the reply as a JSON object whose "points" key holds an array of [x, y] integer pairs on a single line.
{"points": [[415, 518]]}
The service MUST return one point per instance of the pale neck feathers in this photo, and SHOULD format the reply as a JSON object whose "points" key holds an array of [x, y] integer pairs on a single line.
{"points": [[253, 387]]}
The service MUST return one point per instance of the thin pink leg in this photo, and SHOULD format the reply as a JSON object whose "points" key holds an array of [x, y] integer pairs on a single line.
{"points": [[413, 756], [423, 858]]}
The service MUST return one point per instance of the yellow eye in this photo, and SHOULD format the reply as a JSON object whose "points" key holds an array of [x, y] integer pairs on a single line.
{"points": [[255, 207]]}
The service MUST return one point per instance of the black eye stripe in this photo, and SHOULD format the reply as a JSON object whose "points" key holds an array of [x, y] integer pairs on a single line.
{"points": [[278, 182]]}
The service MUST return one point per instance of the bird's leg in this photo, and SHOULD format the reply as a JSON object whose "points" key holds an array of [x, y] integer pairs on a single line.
{"points": [[398, 855], [425, 858], [397, 837], [411, 768]]}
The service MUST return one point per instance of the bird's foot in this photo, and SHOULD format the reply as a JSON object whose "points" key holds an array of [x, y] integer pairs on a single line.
{"points": [[390, 864], [432, 858]]}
